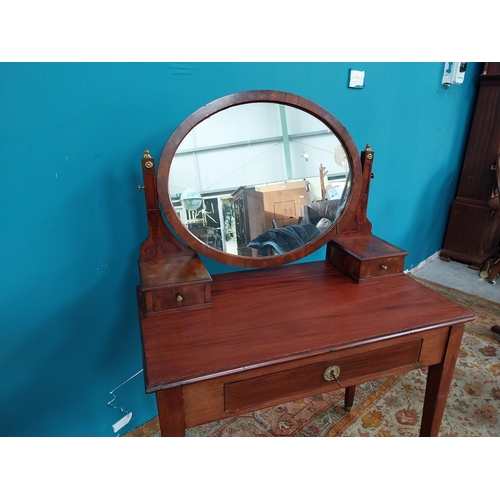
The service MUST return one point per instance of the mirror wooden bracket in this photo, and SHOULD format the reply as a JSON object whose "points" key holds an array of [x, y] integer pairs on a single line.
{"points": [[355, 250], [172, 275], [359, 224]]}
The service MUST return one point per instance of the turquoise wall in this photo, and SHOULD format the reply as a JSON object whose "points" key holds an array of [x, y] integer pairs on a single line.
{"points": [[72, 220]]}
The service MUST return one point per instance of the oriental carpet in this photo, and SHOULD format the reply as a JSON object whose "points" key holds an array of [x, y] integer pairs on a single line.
{"points": [[390, 406]]}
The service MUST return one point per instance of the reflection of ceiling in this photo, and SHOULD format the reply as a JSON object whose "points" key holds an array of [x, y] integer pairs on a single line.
{"points": [[279, 138], [253, 144]]}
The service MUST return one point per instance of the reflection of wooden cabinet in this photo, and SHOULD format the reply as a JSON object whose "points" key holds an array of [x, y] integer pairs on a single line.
{"points": [[474, 227], [282, 204], [249, 218]]}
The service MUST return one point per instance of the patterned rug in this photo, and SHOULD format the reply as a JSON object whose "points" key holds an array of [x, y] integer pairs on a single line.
{"points": [[392, 406]]}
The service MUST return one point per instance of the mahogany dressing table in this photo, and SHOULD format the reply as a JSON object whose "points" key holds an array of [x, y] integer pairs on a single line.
{"points": [[223, 345]]}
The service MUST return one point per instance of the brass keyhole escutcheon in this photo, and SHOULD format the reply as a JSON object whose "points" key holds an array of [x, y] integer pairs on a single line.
{"points": [[332, 373]]}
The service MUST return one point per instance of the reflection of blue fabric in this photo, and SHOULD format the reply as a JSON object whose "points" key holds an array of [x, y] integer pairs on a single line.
{"points": [[285, 239]]}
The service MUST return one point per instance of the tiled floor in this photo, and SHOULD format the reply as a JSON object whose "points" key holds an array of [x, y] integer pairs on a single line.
{"points": [[459, 276]]}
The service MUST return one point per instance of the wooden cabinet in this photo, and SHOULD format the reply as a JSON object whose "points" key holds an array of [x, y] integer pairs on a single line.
{"points": [[249, 218], [219, 346], [473, 228], [283, 204]]}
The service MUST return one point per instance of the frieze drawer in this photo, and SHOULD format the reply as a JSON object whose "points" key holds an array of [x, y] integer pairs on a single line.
{"points": [[335, 373]]}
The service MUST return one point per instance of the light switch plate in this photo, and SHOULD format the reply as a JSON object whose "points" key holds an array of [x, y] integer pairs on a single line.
{"points": [[356, 79]]}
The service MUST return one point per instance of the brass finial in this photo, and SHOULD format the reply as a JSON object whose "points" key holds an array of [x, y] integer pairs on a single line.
{"points": [[149, 163], [368, 148]]}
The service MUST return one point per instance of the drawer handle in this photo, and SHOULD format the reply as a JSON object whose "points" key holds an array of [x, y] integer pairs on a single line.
{"points": [[331, 373], [383, 267], [179, 297]]}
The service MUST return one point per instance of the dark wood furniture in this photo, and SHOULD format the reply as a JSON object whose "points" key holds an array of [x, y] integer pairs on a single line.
{"points": [[473, 230], [283, 206], [263, 343], [248, 202], [219, 346]]}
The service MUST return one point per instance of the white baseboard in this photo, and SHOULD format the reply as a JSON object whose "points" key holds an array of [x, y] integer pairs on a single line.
{"points": [[434, 256]]}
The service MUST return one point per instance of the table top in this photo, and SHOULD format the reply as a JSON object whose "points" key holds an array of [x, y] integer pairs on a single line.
{"points": [[267, 316]]}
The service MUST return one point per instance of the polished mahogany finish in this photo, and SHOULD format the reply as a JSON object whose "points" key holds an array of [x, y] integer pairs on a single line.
{"points": [[219, 346], [172, 275], [473, 230], [365, 257], [354, 249], [245, 353], [346, 219]]}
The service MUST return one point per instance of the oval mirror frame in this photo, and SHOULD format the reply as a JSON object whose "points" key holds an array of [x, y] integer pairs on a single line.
{"points": [[248, 97]]}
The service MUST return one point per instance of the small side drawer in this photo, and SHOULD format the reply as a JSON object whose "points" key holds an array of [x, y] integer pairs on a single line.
{"points": [[285, 384], [176, 297], [385, 266], [365, 257]]}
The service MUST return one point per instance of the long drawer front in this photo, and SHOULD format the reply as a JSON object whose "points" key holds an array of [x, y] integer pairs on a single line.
{"points": [[334, 373]]}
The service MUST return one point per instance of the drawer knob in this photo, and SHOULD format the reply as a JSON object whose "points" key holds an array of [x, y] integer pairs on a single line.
{"points": [[383, 267], [331, 373], [179, 297]]}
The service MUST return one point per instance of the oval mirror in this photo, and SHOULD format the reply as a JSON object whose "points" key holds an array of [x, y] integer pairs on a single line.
{"points": [[257, 179]]}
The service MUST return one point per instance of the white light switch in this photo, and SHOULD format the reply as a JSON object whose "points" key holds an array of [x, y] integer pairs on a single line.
{"points": [[356, 79]]}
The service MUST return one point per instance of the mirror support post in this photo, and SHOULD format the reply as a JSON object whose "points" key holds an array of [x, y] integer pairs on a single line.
{"points": [[364, 225], [359, 224], [160, 242], [172, 274], [355, 250]]}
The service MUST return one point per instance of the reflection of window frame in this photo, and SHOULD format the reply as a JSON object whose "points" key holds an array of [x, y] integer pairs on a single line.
{"points": [[228, 217], [180, 211]]}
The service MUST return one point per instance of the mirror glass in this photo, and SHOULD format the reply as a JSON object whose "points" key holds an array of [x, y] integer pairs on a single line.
{"points": [[259, 179]]}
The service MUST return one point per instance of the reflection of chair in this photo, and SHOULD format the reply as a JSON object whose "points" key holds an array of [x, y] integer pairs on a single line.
{"points": [[318, 210], [208, 235]]}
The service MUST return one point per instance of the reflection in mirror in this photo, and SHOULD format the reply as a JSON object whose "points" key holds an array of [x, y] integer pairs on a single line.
{"points": [[259, 179]]}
